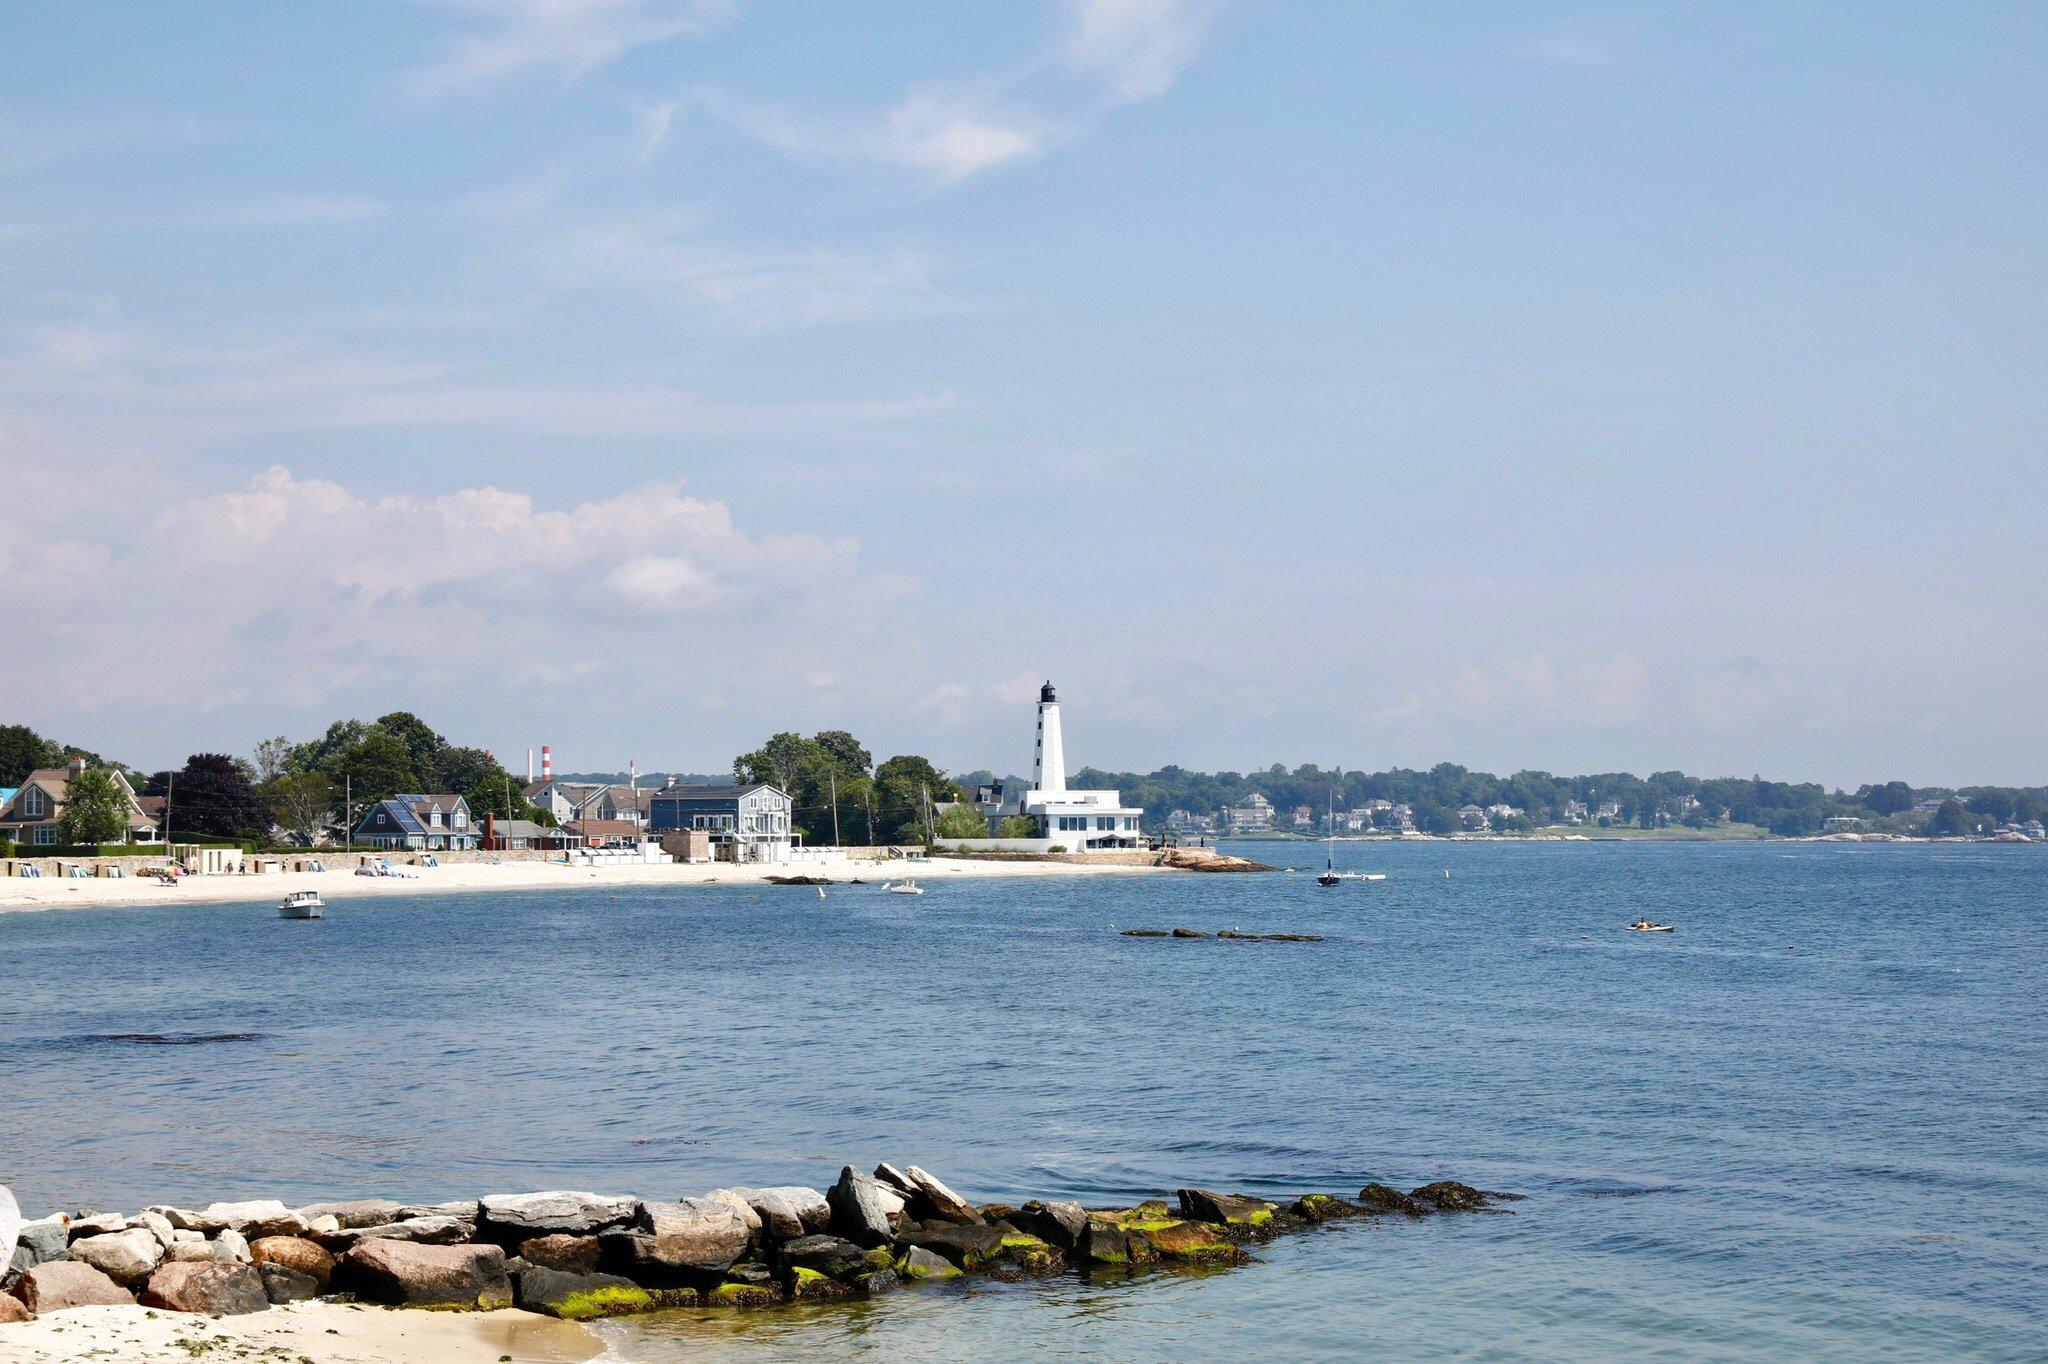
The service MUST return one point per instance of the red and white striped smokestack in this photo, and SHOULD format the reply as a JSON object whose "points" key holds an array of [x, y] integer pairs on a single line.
{"points": [[547, 763], [632, 775]]}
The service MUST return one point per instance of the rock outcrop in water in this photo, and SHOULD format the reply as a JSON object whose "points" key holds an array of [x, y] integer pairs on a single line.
{"points": [[581, 1255]]}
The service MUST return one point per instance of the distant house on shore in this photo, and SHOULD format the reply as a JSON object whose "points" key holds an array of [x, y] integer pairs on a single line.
{"points": [[1575, 812], [31, 812], [419, 823], [750, 823], [1472, 817], [1252, 815], [525, 835]]}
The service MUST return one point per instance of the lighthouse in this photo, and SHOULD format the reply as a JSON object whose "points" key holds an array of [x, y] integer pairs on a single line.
{"points": [[1049, 766]]}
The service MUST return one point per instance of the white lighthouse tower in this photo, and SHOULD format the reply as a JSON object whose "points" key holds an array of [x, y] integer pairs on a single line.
{"points": [[1064, 819], [1049, 766]]}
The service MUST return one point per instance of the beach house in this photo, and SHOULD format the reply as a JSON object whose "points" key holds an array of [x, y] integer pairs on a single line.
{"points": [[751, 823], [31, 814], [418, 823]]}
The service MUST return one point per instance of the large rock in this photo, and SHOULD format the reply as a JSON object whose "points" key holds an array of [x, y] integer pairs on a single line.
{"points": [[286, 1223], [68, 1283], [918, 1264], [1382, 1198], [13, 1309], [891, 1177], [691, 1238], [833, 1256], [1448, 1195], [97, 1224], [737, 1201], [231, 1246], [48, 1238], [942, 1201], [156, 1225], [410, 1275], [970, 1246], [283, 1285], [1232, 1210], [861, 1208], [512, 1218], [778, 1218], [126, 1257], [220, 1289], [432, 1231], [10, 1225], [359, 1212], [297, 1253], [565, 1254], [218, 1216], [189, 1252], [579, 1297], [1061, 1224]]}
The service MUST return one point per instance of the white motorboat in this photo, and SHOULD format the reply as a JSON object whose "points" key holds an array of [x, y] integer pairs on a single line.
{"points": [[903, 887], [1645, 926], [302, 904]]}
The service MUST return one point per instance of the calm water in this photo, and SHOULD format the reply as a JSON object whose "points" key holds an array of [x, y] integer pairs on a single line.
{"points": [[1729, 1149]]}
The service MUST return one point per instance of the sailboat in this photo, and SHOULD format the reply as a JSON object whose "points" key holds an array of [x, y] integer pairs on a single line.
{"points": [[1331, 876]]}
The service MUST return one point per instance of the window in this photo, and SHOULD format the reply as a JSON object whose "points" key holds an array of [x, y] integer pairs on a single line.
{"points": [[46, 834], [435, 818], [460, 818], [34, 804]]}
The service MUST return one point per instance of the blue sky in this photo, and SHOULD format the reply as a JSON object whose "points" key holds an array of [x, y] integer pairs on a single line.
{"points": [[1565, 386]]}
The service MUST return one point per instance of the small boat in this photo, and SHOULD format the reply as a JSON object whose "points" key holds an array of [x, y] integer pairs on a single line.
{"points": [[302, 904], [1645, 926], [903, 887]]}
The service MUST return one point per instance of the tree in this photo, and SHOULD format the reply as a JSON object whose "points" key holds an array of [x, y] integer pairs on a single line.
{"points": [[302, 802], [962, 821], [423, 747], [95, 809], [902, 786], [844, 751], [214, 794], [1951, 820], [273, 759], [23, 751], [1016, 826], [779, 762], [375, 767], [1892, 798]]}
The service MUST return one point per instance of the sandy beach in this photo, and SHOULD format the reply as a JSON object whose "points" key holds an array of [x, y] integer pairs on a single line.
{"points": [[339, 885], [329, 1332]]}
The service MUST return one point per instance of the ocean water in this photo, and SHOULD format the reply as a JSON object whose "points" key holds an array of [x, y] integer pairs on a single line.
{"points": [[1812, 1123]]}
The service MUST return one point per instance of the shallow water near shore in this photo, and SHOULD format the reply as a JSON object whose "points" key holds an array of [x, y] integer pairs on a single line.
{"points": [[1730, 1149]]}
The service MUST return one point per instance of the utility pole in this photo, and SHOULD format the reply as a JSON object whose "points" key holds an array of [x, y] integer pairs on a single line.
{"points": [[930, 833], [347, 828], [170, 785], [832, 779], [871, 811]]}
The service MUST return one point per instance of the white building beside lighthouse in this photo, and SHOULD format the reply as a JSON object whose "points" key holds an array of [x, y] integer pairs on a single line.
{"points": [[1078, 821]]}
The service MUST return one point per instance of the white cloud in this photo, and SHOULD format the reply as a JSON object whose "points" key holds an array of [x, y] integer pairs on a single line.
{"points": [[289, 591], [560, 40], [1109, 53], [1136, 48]]}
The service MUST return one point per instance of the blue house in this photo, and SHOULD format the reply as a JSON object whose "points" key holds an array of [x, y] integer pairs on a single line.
{"points": [[746, 823], [420, 823]]}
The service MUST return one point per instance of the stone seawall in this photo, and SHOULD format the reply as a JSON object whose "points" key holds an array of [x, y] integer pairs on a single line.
{"points": [[579, 1255]]}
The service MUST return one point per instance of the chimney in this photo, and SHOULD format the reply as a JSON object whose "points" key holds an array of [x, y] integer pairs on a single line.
{"points": [[547, 763], [77, 766]]}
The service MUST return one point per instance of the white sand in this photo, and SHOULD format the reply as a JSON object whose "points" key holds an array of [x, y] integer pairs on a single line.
{"points": [[327, 1333], [341, 884]]}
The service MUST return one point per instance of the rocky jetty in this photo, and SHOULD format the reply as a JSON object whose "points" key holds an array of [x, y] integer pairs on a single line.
{"points": [[580, 1255]]}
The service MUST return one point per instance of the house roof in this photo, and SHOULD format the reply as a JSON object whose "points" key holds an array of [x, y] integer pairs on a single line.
{"points": [[603, 828], [719, 792]]}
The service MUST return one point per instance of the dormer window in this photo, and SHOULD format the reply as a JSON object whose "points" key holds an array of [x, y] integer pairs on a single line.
{"points": [[34, 804], [435, 818], [459, 820]]}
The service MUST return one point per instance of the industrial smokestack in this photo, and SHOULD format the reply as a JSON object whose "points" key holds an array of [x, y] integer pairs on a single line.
{"points": [[547, 763], [529, 767], [632, 775]]}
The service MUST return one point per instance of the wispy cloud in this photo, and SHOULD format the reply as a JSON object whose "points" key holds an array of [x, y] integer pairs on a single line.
{"points": [[28, 142], [1592, 692], [1109, 53], [559, 41], [756, 288]]}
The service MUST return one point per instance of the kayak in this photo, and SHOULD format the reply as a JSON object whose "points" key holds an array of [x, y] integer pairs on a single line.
{"points": [[1651, 928]]}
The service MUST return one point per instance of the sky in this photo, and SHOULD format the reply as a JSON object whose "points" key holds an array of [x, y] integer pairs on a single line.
{"points": [[1574, 387]]}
